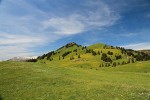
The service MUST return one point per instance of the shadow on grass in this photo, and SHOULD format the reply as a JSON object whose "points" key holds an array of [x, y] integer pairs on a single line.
{"points": [[1, 98]]}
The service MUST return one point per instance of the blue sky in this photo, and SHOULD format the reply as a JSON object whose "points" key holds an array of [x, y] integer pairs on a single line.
{"points": [[34, 27]]}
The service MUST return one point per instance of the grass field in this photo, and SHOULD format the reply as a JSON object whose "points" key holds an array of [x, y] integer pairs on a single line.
{"points": [[54, 81]]}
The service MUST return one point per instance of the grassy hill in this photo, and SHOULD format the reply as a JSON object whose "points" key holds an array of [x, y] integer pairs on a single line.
{"points": [[96, 55], [47, 81], [75, 72]]}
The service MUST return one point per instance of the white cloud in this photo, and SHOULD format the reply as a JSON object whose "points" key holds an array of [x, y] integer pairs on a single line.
{"points": [[17, 45], [20, 32], [15, 50], [138, 46], [21, 45], [93, 15], [126, 34], [10, 39], [64, 25]]}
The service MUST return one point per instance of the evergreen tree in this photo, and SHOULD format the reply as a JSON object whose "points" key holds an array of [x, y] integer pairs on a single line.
{"points": [[79, 56], [132, 60], [94, 53], [66, 53], [98, 53], [75, 50], [118, 57], [100, 65], [32, 60], [43, 56], [110, 53], [114, 64], [105, 58]]}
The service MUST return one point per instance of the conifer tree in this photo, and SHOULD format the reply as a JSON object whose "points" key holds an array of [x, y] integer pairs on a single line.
{"points": [[114, 64], [79, 56], [132, 60], [98, 53]]}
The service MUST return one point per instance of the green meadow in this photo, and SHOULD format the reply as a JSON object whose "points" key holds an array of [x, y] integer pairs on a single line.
{"points": [[74, 81]]}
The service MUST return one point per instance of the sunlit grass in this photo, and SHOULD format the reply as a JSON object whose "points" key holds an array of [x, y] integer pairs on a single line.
{"points": [[74, 80]]}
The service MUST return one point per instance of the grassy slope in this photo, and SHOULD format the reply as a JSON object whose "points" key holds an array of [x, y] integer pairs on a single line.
{"points": [[91, 60], [54, 81]]}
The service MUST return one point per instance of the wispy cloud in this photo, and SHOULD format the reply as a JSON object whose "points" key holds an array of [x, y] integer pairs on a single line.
{"points": [[21, 45], [26, 25], [138, 46], [127, 35], [23, 26], [14, 50], [29, 24], [99, 17], [9, 39], [64, 25], [21, 33], [18, 45]]}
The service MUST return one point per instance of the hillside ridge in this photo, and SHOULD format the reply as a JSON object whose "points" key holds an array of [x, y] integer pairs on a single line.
{"points": [[98, 54]]}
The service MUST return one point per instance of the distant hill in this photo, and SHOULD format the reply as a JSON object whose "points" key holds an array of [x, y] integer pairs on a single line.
{"points": [[96, 55], [22, 58]]}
